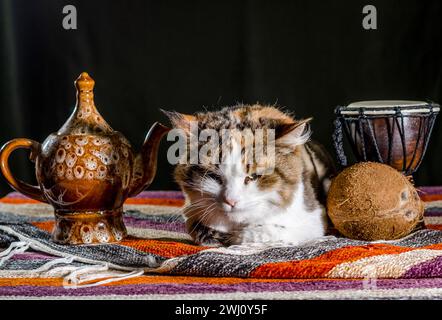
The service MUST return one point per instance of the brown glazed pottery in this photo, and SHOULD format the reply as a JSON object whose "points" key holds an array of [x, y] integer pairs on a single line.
{"points": [[86, 171]]}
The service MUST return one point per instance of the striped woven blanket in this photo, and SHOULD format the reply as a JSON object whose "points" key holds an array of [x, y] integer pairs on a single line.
{"points": [[159, 261]]}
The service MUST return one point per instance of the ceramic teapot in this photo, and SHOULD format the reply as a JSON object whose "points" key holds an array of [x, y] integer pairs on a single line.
{"points": [[86, 171]]}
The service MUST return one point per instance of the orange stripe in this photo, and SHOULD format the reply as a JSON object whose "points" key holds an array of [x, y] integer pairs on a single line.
{"points": [[434, 226], [318, 267], [31, 282], [18, 200], [175, 249], [171, 249], [153, 280], [206, 280], [431, 197], [171, 202], [437, 246], [46, 225], [162, 201], [168, 249]]}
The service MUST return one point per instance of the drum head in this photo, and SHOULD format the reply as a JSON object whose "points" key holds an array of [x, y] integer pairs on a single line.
{"points": [[388, 107]]}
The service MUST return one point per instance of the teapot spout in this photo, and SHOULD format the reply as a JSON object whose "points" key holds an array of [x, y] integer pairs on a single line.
{"points": [[145, 163]]}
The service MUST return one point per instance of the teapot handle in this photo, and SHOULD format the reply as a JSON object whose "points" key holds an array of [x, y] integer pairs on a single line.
{"points": [[33, 192]]}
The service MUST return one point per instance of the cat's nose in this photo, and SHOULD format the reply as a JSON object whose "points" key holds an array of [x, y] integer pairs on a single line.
{"points": [[230, 201]]}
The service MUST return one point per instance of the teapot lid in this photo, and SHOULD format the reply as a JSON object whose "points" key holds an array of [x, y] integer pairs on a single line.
{"points": [[85, 120]]}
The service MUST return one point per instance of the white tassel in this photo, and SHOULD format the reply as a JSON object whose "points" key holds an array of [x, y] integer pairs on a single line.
{"points": [[47, 266], [76, 275], [14, 248], [96, 272]]}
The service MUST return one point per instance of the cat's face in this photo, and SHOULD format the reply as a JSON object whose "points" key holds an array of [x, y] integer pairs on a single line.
{"points": [[237, 189]]}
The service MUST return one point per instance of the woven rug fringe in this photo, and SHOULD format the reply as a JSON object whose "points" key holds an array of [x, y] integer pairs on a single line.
{"points": [[41, 247], [75, 277], [13, 249], [49, 265], [96, 272]]}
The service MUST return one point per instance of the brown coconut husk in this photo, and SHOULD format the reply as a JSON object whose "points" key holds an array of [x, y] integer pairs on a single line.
{"points": [[372, 201]]}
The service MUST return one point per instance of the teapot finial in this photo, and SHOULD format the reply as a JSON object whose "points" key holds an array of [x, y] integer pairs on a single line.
{"points": [[84, 83], [85, 118]]}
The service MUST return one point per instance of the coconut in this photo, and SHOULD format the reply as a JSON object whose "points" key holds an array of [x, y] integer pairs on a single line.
{"points": [[372, 201]]}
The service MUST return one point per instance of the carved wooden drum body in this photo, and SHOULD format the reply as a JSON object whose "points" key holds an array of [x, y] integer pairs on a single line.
{"points": [[391, 132]]}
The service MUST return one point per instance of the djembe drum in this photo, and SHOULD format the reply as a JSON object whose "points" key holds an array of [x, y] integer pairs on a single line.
{"points": [[391, 132]]}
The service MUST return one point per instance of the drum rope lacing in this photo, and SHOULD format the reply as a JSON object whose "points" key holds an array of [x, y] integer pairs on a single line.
{"points": [[344, 121]]}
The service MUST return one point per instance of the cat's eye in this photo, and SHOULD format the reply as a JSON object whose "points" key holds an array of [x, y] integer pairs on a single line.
{"points": [[252, 177], [214, 176]]}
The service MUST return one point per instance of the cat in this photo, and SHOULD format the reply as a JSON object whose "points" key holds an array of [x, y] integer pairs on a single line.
{"points": [[231, 203]]}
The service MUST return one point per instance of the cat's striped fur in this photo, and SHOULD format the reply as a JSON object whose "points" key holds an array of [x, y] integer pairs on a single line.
{"points": [[231, 204]]}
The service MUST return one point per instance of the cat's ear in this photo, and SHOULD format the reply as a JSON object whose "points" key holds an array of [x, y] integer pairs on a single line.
{"points": [[180, 120], [293, 134]]}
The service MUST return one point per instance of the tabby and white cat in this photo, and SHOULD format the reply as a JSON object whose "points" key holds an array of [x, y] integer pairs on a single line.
{"points": [[231, 203]]}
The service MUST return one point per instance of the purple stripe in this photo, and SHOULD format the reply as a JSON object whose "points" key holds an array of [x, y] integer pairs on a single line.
{"points": [[171, 288], [142, 195], [32, 256], [140, 223], [178, 195], [431, 268], [430, 190], [160, 195], [16, 195], [433, 213]]}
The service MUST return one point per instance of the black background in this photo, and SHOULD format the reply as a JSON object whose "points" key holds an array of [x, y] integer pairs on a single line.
{"points": [[308, 56]]}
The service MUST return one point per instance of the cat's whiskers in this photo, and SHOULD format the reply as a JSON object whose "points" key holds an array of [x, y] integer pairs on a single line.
{"points": [[208, 212], [203, 216], [193, 208], [174, 218], [201, 181], [197, 212], [202, 204], [197, 204]]}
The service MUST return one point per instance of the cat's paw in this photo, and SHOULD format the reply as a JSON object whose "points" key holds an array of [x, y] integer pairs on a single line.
{"points": [[206, 236], [255, 234]]}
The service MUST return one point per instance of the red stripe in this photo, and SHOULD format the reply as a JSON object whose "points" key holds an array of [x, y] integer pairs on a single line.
{"points": [[319, 267]]}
